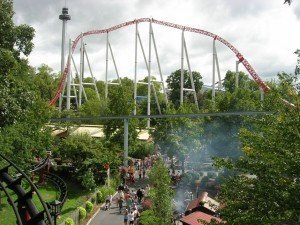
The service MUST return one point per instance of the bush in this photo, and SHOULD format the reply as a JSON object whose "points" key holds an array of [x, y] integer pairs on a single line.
{"points": [[115, 182], [99, 197], [89, 206], [105, 191], [88, 181], [82, 213], [69, 221], [93, 200]]}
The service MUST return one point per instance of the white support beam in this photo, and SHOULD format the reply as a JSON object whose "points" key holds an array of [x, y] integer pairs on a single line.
{"points": [[92, 75], [69, 78], [135, 68], [156, 99], [149, 76], [159, 67], [106, 67], [182, 71], [113, 59], [81, 70], [214, 72], [190, 73], [218, 68]]}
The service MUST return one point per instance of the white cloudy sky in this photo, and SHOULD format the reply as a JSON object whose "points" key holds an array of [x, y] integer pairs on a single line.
{"points": [[266, 32]]}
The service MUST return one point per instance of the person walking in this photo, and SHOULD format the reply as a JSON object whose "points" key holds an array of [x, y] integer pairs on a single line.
{"points": [[120, 202], [131, 217], [126, 217], [140, 195], [120, 195], [140, 173], [108, 202], [144, 172]]}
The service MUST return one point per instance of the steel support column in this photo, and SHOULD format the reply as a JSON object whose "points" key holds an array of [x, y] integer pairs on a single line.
{"points": [[218, 68], [190, 73], [125, 163], [214, 72], [81, 68], [181, 69], [135, 68], [69, 78], [159, 67], [106, 67], [149, 77]]}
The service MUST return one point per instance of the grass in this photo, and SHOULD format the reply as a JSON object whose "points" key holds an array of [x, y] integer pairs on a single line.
{"points": [[76, 197]]}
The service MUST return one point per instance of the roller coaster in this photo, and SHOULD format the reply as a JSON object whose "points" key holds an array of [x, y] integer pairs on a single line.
{"points": [[66, 82], [20, 188]]}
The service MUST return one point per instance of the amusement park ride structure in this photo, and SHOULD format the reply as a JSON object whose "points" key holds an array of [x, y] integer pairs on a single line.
{"points": [[68, 84]]}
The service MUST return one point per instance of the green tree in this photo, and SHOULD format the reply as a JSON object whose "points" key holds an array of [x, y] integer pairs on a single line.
{"points": [[16, 39], [86, 153], [142, 91], [22, 112], [244, 82], [161, 194], [46, 82], [179, 136], [148, 218], [120, 102], [221, 133], [173, 82], [271, 156]]}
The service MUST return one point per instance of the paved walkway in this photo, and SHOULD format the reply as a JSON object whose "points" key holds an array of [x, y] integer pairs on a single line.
{"points": [[113, 216]]}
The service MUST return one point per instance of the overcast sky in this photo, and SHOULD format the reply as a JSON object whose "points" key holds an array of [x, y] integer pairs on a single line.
{"points": [[266, 32]]}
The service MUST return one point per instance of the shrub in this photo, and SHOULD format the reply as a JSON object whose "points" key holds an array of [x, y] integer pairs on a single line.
{"points": [[104, 192], [89, 206], [93, 200], [82, 213], [99, 197], [88, 181], [114, 182], [69, 221]]}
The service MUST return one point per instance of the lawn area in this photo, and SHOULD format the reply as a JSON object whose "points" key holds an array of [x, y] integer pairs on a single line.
{"points": [[76, 197]]}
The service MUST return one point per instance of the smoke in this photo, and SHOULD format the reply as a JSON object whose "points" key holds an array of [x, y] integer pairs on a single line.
{"points": [[219, 138]]}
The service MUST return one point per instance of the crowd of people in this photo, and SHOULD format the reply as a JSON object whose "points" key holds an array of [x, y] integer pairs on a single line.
{"points": [[128, 202]]}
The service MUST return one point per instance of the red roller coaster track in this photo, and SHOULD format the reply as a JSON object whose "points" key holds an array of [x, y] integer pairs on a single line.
{"points": [[240, 57]]}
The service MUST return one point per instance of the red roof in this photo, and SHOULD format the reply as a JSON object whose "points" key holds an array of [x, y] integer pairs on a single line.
{"points": [[196, 217], [195, 203]]}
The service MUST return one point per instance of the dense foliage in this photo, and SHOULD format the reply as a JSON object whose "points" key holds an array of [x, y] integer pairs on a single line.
{"points": [[161, 196], [22, 111], [265, 188]]}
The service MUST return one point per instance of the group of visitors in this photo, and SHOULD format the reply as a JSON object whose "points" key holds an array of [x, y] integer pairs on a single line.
{"points": [[129, 201], [141, 166]]}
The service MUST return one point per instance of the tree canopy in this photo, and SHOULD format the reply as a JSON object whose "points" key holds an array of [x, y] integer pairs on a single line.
{"points": [[173, 82], [265, 187]]}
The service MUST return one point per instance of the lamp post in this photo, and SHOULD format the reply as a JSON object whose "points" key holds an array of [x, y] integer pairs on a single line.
{"points": [[55, 209]]}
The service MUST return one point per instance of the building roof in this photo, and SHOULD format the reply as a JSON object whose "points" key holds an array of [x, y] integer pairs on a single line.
{"points": [[97, 132], [90, 130], [209, 203], [196, 218]]}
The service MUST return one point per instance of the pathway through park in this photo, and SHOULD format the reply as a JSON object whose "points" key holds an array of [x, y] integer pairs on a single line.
{"points": [[113, 216]]}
